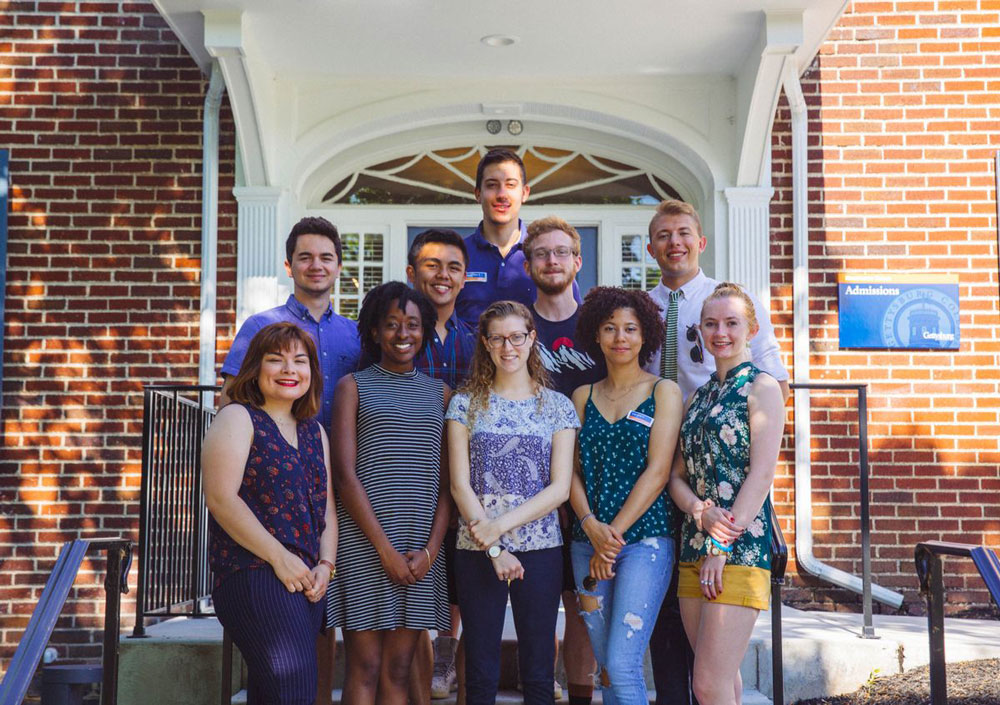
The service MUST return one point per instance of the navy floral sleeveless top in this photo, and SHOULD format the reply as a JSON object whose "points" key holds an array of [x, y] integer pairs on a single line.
{"points": [[286, 490]]}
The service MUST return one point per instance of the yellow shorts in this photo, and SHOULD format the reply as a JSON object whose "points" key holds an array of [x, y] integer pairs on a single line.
{"points": [[742, 586]]}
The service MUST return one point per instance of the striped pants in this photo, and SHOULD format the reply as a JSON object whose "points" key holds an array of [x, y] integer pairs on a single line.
{"points": [[275, 631]]}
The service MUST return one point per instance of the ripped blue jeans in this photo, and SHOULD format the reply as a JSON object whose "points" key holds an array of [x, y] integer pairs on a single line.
{"points": [[626, 610]]}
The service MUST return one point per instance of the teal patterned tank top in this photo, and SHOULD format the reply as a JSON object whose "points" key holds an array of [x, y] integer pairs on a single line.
{"points": [[715, 443], [612, 456]]}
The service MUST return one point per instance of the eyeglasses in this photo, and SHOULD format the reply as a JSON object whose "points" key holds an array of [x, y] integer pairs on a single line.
{"points": [[697, 354], [540, 255], [495, 342]]}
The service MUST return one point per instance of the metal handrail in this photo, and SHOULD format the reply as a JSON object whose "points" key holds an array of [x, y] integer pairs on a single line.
{"points": [[173, 518], [868, 628], [43, 619], [927, 556], [779, 562]]}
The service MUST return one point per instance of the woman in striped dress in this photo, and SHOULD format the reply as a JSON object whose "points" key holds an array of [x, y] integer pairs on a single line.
{"points": [[387, 466]]}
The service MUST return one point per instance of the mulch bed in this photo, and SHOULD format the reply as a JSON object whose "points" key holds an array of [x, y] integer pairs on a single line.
{"points": [[969, 683]]}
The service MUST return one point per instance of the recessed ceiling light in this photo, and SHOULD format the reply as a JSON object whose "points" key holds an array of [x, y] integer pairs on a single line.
{"points": [[499, 40]]}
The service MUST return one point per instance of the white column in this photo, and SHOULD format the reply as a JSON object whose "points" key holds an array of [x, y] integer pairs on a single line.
{"points": [[749, 239], [260, 274]]}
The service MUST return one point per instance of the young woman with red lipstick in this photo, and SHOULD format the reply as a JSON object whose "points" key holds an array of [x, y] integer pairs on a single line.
{"points": [[393, 505], [272, 532]]}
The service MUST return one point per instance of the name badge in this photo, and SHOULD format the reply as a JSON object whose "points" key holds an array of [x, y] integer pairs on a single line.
{"points": [[639, 417], [479, 277]]}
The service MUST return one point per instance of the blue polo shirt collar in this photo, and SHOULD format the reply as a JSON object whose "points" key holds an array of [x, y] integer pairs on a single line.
{"points": [[483, 244], [299, 309]]}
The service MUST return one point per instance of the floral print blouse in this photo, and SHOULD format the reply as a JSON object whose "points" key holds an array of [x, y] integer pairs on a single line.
{"points": [[285, 488], [715, 443], [510, 446]]}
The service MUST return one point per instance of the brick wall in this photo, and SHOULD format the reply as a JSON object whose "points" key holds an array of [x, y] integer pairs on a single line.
{"points": [[101, 108], [904, 122]]}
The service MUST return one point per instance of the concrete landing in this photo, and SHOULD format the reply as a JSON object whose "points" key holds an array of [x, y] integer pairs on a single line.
{"points": [[179, 663], [512, 697], [823, 653]]}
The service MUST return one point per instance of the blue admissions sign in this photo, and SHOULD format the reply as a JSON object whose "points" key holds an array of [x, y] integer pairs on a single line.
{"points": [[898, 311]]}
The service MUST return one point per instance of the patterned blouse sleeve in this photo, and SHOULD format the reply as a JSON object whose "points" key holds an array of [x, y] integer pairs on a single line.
{"points": [[458, 409], [564, 415]]}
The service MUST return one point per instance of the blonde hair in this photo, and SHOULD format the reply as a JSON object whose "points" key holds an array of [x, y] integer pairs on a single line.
{"points": [[672, 206], [546, 225], [483, 371], [729, 290]]}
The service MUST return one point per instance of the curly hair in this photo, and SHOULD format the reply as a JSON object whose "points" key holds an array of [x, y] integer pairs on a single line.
{"points": [[729, 290], [483, 371], [376, 305], [276, 338], [600, 304]]}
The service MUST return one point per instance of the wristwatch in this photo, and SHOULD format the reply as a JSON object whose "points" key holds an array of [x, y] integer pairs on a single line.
{"points": [[494, 551]]}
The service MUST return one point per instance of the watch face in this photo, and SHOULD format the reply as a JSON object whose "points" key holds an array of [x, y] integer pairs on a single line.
{"points": [[494, 552]]}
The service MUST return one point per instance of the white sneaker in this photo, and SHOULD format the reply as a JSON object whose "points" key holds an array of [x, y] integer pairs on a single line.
{"points": [[557, 691], [444, 680]]}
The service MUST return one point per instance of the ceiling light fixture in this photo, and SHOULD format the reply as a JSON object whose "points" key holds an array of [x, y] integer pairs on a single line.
{"points": [[499, 40]]}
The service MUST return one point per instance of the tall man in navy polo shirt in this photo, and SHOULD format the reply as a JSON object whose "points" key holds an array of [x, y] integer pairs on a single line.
{"points": [[314, 256], [496, 262]]}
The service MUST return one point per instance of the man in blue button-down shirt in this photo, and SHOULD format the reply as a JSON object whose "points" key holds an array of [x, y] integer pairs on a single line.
{"points": [[314, 252], [496, 262]]}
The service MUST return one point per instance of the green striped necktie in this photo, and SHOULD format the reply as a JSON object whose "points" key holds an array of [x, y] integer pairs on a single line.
{"points": [[668, 352]]}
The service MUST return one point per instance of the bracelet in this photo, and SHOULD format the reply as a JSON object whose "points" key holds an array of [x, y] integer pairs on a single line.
{"points": [[585, 517], [429, 561], [331, 566], [720, 547]]}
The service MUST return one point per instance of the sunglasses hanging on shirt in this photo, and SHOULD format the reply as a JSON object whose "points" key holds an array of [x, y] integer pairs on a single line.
{"points": [[697, 353]]}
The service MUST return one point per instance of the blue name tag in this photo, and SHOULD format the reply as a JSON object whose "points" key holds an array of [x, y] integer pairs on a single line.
{"points": [[639, 417], [475, 277]]}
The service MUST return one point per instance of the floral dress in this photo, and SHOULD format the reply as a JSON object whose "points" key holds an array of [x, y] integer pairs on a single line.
{"points": [[715, 443]]}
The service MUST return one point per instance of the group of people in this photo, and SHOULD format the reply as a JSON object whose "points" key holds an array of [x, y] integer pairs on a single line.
{"points": [[615, 453]]}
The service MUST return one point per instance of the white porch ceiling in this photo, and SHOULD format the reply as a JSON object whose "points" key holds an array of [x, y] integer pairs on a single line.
{"points": [[695, 81], [305, 39]]}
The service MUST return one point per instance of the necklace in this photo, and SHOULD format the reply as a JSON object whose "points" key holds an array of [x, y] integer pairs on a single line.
{"points": [[621, 396]]}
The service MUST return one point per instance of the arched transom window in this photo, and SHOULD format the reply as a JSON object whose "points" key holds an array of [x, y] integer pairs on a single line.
{"points": [[448, 176]]}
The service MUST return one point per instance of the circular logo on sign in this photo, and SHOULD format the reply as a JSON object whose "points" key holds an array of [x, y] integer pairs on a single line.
{"points": [[920, 318]]}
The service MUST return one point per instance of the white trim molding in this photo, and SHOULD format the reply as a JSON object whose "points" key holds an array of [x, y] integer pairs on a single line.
{"points": [[224, 40], [749, 239], [261, 282]]}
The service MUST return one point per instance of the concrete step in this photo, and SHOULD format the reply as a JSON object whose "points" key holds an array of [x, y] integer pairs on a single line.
{"points": [[823, 656], [513, 697]]}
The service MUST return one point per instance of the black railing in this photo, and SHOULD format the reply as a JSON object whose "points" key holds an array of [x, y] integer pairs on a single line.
{"points": [[868, 628], [173, 519], [46, 613], [779, 562], [927, 556]]}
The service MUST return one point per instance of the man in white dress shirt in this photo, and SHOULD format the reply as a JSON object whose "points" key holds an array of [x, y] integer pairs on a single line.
{"points": [[676, 242]]}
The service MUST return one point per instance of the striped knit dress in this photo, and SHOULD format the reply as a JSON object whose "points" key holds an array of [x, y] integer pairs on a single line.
{"points": [[399, 426]]}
